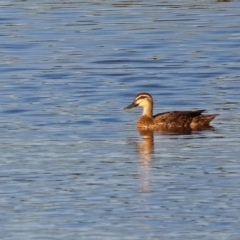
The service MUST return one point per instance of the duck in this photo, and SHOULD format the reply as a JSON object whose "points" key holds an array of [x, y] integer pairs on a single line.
{"points": [[193, 120]]}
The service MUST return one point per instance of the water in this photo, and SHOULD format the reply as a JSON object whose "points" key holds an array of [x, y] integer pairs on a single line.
{"points": [[73, 165]]}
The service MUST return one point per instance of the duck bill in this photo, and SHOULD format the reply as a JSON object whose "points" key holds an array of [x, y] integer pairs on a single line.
{"points": [[132, 105]]}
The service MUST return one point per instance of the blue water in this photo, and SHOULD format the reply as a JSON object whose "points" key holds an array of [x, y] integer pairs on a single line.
{"points": [[73, 165]]}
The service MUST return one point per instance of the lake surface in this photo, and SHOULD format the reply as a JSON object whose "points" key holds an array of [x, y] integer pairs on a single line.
{"points": [[73, 165]]}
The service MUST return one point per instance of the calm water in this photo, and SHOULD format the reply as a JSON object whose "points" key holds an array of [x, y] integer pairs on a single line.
{"points": [[73, 165]]}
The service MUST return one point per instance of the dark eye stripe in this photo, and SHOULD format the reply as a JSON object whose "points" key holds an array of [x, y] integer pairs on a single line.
{"points": [[141, 97]]}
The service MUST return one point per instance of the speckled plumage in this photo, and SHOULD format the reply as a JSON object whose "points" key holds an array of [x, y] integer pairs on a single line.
{"points": [[168, 120]]}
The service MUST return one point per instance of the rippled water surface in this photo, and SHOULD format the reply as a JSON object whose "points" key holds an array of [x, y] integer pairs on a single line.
{"points": [[73, 165]]}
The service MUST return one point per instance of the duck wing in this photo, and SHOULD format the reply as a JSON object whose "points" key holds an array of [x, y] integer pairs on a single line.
{"points": [[176, 118]]}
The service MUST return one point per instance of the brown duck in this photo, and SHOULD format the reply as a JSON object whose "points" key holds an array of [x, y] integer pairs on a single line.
{"points": [[168, 120]]}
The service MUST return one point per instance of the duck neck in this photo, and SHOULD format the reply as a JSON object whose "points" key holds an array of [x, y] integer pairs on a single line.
{"points": [[148, 110]]}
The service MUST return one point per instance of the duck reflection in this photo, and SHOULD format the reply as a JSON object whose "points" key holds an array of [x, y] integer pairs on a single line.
{"points": [[145, 149], [145, 152], [146, 146]]}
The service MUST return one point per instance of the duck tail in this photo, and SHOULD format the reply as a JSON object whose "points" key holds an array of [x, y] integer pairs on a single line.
{"points": [[202, 121]]}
